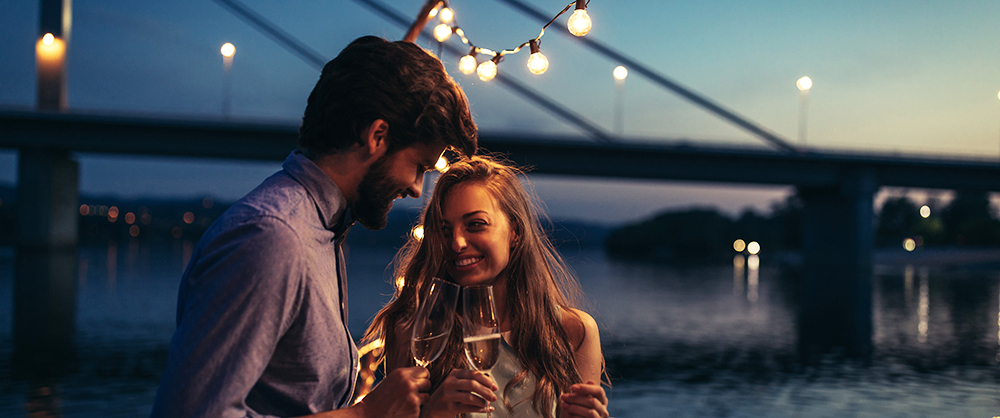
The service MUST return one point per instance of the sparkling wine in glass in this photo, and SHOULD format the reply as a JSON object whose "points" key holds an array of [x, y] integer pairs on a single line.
{"points": [[480, 328], [434, 321]]}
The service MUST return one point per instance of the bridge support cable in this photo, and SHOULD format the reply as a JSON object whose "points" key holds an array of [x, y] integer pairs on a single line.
{"points": [[527, 92], [274, 32], [652, 75]]}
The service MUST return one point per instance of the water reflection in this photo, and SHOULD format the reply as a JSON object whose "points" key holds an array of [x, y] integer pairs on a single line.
{"points": [[923, 309], [42, 401], [753, 278], [112, 263], [739, 262]]}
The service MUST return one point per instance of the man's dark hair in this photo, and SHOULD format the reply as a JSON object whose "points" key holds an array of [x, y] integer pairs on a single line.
{"points": [[397, 82]]}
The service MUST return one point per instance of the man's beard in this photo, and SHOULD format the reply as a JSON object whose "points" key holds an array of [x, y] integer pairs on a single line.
{"points": [[375, 196]]}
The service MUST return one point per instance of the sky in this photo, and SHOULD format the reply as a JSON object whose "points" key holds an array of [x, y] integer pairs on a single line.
{"points": [[902, 77]]}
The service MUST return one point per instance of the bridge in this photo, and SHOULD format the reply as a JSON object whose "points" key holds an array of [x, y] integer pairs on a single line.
{"points": [[837, 188]]}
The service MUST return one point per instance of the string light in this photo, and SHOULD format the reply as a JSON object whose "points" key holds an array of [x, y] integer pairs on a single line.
{"points": [[447, 15], [488, 69], [442, 32], [467, 65], [537, 63], [579, 24]]}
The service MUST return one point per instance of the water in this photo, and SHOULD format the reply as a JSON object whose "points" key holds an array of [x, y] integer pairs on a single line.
{"points": [[684, 342]]}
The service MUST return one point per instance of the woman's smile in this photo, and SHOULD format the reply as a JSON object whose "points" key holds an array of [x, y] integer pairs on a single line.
{"points": [[477, 234]]}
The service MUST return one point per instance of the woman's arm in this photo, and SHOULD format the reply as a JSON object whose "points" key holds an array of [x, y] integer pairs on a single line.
{"points": [[585, 399]]}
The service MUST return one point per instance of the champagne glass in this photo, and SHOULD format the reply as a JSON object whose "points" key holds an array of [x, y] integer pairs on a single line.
{"points": [[481, 334], [434, 321]]}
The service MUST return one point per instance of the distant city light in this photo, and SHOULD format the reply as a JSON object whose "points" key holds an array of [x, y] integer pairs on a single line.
{"points": [[175, 232], [739, 246], [134, 231], [753, 247], [207, 202], [188, 217], [113, 212], [909, 244], [48, 39], [753, 262], [84, 210], [804, 83], [228, 50], [925, 211], [620, 72], [146, 219]]}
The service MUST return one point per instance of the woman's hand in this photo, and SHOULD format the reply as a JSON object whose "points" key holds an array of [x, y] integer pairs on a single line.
{"points": [[462, 392], [586, 400]]}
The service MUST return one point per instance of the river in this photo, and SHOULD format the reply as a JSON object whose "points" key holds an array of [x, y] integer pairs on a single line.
{"points": [[694, 341]]}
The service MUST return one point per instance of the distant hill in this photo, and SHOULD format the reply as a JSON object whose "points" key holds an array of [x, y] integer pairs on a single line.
{"points": [[162, 220]]}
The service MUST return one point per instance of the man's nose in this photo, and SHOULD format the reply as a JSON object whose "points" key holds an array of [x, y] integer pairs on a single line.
{"points": [[417, 186]]}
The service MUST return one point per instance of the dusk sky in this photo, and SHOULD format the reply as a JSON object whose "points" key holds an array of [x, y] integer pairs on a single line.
{"points": [[909, 77]]}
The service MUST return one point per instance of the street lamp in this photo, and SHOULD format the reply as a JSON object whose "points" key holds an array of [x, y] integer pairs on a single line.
{"points": [[804, 84], [619, 73], [227, 50]]}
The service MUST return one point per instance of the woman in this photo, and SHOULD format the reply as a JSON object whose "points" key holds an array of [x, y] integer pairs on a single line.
{"points": [[481, 227]]}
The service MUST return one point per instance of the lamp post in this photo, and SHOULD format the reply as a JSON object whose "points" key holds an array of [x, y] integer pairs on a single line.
{"points": [[228, 50], [804, 84], [619, 73]]}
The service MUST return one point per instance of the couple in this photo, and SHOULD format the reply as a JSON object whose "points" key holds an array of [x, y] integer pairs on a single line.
{"points": [[262, 308]]}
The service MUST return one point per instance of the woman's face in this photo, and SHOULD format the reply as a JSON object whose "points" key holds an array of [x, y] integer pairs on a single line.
{"points": [[477, 234]]}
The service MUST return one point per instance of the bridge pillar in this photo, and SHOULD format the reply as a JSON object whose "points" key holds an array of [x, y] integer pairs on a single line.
{"points": [[837, 246], [45, 263], [46, 259]]}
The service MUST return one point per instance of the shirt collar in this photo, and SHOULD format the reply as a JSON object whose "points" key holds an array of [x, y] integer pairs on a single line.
{"points": [[329, 199]]}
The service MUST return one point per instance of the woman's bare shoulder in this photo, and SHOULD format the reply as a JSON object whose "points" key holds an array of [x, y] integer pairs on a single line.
{"points": [[579, 327]]}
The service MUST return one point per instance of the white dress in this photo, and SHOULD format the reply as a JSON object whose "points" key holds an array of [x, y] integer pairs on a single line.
{"points": [[520, 395]]}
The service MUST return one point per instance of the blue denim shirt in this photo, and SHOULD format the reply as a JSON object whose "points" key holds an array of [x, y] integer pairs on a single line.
{"points": [[262, 310]]}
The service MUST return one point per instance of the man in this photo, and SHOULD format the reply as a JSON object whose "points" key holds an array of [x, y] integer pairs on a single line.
{"points": [[262, 309]]}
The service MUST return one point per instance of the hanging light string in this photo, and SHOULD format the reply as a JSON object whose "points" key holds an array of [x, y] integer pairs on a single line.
{"points": [[578, 24]]}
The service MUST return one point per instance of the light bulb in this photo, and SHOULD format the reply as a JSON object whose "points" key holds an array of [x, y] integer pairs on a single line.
{"points": [[620, 72], [579, 23], [487, 70], [228, 50], [804, 83], [442, 164], [48, 39], [467, 65], [442, 32], [447, 15], [537, 63]]}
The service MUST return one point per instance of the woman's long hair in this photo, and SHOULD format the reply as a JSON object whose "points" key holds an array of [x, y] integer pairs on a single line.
{"points": [[539, 287]]}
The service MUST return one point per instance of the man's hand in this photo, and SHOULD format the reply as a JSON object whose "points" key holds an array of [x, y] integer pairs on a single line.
{"points": [[400, 394]]}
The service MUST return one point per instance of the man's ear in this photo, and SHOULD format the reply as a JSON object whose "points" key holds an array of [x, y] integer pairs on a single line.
{"points": [[376, 138]]}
